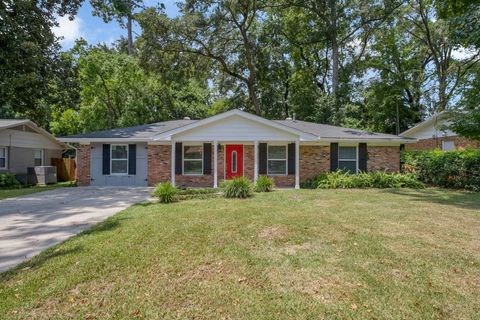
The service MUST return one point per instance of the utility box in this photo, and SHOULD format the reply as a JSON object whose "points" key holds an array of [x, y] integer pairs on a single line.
{"points": [[42, 175]]}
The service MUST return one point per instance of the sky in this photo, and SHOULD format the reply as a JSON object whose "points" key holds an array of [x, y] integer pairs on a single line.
{"points": [[94, 30]]}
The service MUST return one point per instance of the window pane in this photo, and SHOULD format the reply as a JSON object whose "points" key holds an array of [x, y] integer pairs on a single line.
{"points": [[2, 152], [192, 167], [119, 152], [38, 154], [119, 166], [2, 162], [277, 152], [234, 161], [349, 166], [277, 166], [347, 153], [38, 162], [192, 152], [448, 145]]}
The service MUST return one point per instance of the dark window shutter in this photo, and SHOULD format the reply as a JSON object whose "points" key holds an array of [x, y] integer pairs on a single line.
{"points": [[333, 156], [106, 159], [207, 158], [291, 158], [178, 157], [262, 158], [132, 159], [362, 157]]}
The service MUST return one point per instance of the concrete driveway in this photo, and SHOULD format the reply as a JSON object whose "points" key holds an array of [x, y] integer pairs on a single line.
{"points": [[31, 223]]}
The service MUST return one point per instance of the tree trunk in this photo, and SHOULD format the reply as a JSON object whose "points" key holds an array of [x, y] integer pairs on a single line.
{"points": [[252, 92], [130, 36], [334, 43]]}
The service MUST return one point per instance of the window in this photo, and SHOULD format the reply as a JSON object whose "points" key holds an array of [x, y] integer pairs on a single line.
{"points": [[193, 160], [234, 161], [38, 158], [277, 160], [119, 159], [3, 157], [347, 159], [448, 145]]}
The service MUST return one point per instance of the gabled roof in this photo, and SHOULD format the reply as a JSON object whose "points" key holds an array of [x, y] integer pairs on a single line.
{"points": [[307, 131], [234, 112], [427, 122], [11, 123]]}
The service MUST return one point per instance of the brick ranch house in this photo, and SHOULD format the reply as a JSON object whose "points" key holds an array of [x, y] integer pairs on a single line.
{"points": [[433, 134], [202, 153]]}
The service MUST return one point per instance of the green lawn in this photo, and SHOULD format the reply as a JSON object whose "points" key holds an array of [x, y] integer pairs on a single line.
{"points": [[16, 192], [309, 254]]}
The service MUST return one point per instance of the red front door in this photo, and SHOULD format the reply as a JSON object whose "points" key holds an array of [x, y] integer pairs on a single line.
{"points": [[233, 160]]}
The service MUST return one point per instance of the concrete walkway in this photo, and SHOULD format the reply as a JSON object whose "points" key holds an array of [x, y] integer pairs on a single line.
{"points": [[29, 224]]}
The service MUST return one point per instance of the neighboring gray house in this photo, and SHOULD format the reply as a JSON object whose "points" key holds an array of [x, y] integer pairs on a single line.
{"points": [[23, 144]]}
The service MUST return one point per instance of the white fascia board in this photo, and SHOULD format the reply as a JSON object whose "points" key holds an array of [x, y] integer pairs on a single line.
{"points": [[168, 134], [110, 140]]}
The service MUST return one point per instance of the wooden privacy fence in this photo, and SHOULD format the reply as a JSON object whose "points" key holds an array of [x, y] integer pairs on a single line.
{"points": [[65, 168]]}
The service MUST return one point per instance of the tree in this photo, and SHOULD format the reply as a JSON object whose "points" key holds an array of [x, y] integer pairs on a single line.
{"points": [[221, 31], [29, 54], [119, 10]]}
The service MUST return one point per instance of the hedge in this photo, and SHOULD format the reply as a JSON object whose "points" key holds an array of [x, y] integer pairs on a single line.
{"points": [[448, 169]]}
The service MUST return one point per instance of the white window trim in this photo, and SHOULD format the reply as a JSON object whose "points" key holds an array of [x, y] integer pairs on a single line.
{"points": [[184, 159], [351, 160], [41, 156], [111, 160], [451, 141], [6, 158], [286, 159]]}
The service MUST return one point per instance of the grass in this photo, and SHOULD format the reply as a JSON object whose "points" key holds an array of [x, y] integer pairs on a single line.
{"points": [[309, 254], [16, 192]]}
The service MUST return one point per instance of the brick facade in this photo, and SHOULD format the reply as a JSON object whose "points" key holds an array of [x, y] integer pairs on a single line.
{"points": [[436, 143], [83, 165], [313, 160], [383, 159], [159, 160]]}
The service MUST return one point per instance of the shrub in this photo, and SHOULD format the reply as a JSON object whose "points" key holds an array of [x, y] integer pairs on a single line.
{"points": [[449, 169], [264, 184], [165, 192], [8, 180], [237, 188], [344, 180]]}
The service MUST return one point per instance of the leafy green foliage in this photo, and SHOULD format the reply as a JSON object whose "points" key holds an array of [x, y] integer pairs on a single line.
{"points": [[239, 187], [264, 184], [467, 124], [196, 193], [8, 180], [165, 192], [448, 169], [345, 180]]}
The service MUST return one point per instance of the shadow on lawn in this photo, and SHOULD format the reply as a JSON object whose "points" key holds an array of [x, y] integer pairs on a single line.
{"points": [[39, 260], [461, 199]]}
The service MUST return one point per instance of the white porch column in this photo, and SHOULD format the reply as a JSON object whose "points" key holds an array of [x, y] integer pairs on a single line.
{"points": [[297, 164], [215, 164], [173, 163], [255, 161]]}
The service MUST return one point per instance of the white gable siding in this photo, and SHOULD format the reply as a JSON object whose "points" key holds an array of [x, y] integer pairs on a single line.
{"points": [[24, 139], [431, 130], [235, 128]]}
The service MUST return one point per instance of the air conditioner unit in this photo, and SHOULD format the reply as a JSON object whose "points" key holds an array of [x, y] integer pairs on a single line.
{"points": [[42, 175]]}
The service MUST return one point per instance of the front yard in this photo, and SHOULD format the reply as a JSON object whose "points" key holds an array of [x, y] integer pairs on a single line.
{"points": [[14, 192], [309, 254]]}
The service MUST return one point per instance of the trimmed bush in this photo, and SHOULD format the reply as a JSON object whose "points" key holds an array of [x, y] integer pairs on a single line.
{"points": [[344, 180], [449, 169], [8, 180], [237, 188], [165, 192], [264, 184]]}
